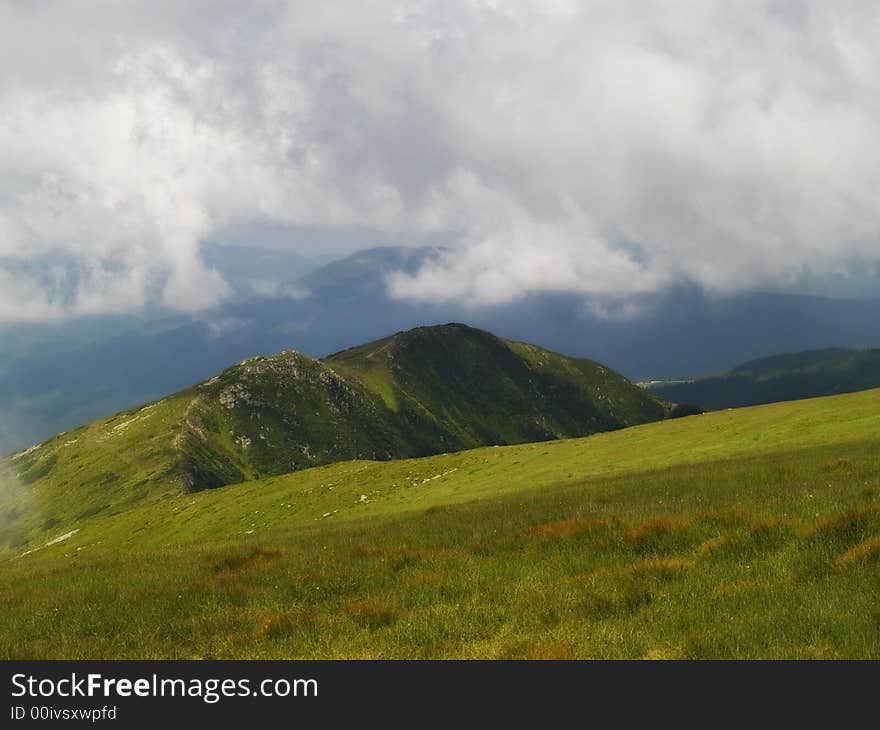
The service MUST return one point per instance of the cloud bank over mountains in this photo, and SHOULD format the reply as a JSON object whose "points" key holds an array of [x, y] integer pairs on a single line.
{"points": [[599, 147]]}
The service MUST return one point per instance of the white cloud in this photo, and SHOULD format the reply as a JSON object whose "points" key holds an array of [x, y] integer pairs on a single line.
{"points": [[224, 325], [599, 147], [277, 290]]}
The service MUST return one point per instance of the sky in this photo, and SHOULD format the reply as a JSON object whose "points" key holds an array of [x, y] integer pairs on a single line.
{"points": [[604, 148]]}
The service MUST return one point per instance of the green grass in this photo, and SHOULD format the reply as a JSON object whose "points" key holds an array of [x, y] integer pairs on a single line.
{"points": [[109, 466], [749, 533]]}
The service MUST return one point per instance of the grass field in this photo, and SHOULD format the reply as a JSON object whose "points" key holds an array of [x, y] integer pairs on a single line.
{"points": [[751, 533]]}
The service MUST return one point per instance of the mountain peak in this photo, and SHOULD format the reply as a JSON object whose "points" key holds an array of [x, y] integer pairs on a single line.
{"points": [[423, 391]]}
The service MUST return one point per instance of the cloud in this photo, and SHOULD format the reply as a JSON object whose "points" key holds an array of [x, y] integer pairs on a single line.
{"points": [[273, 289], [217, 327], [597, 147]]}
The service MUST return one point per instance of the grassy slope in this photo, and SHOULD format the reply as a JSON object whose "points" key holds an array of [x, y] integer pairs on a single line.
{"points": [[108, 466], [743, 533]]}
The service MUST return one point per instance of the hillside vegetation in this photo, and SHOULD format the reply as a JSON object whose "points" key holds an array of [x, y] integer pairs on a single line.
{"points": [[425, 391], [780, 378], [746, 533]]}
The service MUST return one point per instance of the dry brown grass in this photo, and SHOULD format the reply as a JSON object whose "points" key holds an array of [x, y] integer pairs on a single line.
{"points": [[666, 653], [654, 527], [851, 520], [773, 525], [862, 554], [658, 567], [561, 529], [723, 515], [550, 651], [404, 558], [732, 587], [422, 579], [314, 577], [276, 624], [398, 556], [373, 612], [833, 464], [547, 649], [663, 567], [371, 550], [714, 544], [235, 567]]}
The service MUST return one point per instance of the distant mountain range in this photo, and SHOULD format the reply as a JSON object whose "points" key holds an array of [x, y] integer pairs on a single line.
{"points": [[780, 378], [55, 377]]}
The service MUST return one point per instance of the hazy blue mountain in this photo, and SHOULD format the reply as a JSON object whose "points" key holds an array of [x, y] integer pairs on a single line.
{"points": [[779, 378], [684, 332], [254, 271], [52, 378]]}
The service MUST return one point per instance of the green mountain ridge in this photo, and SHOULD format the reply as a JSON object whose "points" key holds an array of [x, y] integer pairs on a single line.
{"points": [[425, 391], [789, 376]]}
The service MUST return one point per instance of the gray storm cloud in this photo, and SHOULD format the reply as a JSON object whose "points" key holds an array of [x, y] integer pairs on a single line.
{"points": [[595, 147]]}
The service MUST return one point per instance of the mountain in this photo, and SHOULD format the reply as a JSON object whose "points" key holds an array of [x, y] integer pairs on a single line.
{"points": [[364, 271], [250, 271], [425, 391], [780, 378], [51, 380]]}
